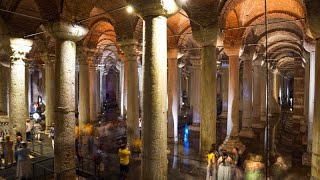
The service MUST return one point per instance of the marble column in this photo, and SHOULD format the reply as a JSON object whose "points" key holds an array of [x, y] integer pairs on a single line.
{"points": [[173, 94], [195, 92], [121, 89], [232, 138], [263, 93], [256, 111], [154, 109], [66, 35], [246, 130], [276, 80], [4, 90], [130, 48], [273, 106], [225, 80], [84, 103], [93, 89], [50, 90], [18, 109]]}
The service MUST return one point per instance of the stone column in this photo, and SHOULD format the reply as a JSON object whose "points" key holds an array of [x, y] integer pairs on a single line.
{"points": [[256, 97], [232, 139], [93, 83], [98, 90], [173, 94], [130, 48], [225, 80], [121, 89], [3, 90], [18, 110], [84, 104], [154, 112], [195, 92], [276, 80], [64, 152], [50, 89], [246, 130], [263, 93]]}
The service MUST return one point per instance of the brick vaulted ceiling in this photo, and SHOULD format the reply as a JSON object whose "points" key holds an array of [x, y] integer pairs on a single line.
{"points": [[286, 28]]}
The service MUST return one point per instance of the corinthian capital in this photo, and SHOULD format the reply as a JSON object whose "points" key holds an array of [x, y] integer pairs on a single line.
{"points": [[20, 47]]}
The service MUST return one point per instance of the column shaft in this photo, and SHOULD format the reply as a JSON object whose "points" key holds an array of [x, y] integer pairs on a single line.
{"points": [[154, 113], [84, 104], [208, 95], [133, 101], [92, 91], [196, 75], [173, 95], [50, 95], [3, 90], [263, 86], [18, 110]]}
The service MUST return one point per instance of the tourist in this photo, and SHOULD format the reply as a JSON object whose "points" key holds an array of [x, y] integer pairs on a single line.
{"points": [[124, 154], [211, 167], [37, 131], [254, 168], [224, 166], [77, 146], [237, 172], [28, 130], [51, 134], [279, 169], [99, 157], [17, 145], [8, 151], [23, 162]]}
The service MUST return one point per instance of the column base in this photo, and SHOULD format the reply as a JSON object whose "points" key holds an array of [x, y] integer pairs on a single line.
{"points": [[230, 143], [259, 124], [306, 159], [247, 133]]}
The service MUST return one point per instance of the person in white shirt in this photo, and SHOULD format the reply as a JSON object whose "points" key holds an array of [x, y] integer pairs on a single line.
{"points": [[28, 130]]}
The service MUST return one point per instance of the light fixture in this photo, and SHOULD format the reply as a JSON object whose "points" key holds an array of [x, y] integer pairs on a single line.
{"points": [[129, 9]]}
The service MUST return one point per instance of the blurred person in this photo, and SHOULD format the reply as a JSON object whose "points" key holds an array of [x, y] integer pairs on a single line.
{"points": [[51, 134], [28, 130], [237, 170], [224, 166], [99, 158], [124, 155], [211, 167], [23, 162], [8, 151]]}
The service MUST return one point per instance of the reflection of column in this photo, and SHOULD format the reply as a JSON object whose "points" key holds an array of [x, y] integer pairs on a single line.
{"points": [[50, 89], [246, 130], [92, 89], [195, 92], [225, 79], [65, 35], [3, 90], [121, 89], [83, 94], [130, 49], [173, 94], [18, 111], [232, 138]]}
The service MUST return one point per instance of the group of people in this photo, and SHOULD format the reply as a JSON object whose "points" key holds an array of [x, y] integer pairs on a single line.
{"points": [[19, 153], [222, 166]]}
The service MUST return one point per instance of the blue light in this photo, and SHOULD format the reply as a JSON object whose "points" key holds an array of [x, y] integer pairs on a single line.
{"points": [[186, 132]]}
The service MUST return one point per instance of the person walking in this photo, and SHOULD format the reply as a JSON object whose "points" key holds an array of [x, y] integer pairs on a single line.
{"points": [[211, 167], [224, 166], [28, 130], [8, 151], [124, 154], [23, 162], [99, 157]]}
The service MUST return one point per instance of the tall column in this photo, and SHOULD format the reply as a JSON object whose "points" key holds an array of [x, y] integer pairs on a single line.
{"points": [[84, 104], [195, 92], [273, 106], [64, 152], [154, 112], [50, 89], [98, 90], [246, 130], [276, 80], [121, 89], [93, 88], [173, 94], [18, 110], [225, 80], [3, 90], [232, 138], [130, 48], [263, 93]]}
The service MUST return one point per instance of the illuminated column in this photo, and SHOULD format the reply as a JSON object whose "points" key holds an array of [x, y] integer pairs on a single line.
{"points": [[64, 152], [173, 94], [130, 49], [232, 139], [246, 130], [154, 112], [121, 89], [273, 107], [84, 104], [208, 105], [195, 92], [3, 90], [276, 80], [225, 79], [50, 89], [18, 110], [93, 83]]}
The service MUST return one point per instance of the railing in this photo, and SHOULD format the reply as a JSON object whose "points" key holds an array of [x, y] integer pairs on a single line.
{"points": [[43, 169], [36, 148]]}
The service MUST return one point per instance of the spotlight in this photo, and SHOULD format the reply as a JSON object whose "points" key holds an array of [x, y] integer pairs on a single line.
{"points": [[129, 9]]}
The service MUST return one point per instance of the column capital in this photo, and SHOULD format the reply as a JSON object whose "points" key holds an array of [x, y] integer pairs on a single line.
{"points": [[62, 30], [48, 58], [130, 49], [232, 42], [206, 36], [196, 63], [309, 45], [313, 14], [155, 7], [20, 47]]}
